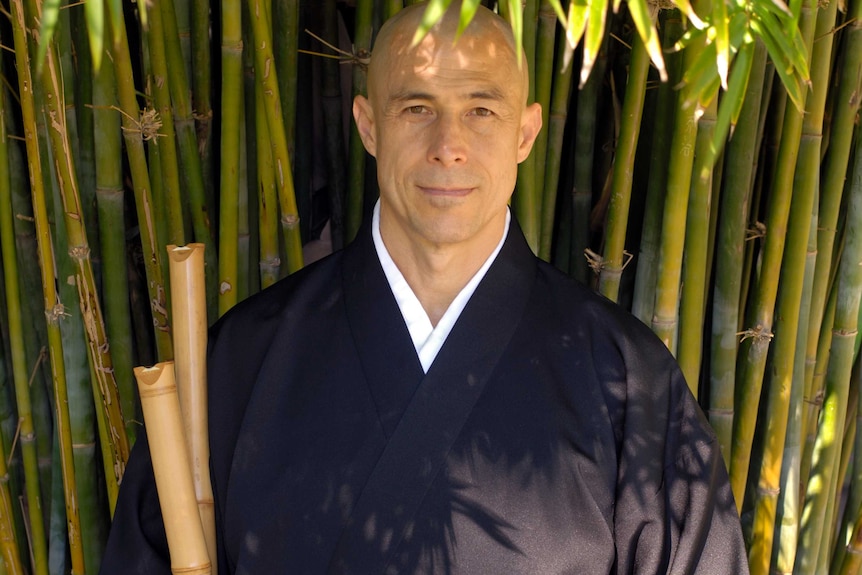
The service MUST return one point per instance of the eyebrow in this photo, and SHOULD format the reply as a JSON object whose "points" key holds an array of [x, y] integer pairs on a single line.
{"points": [[492, 93]]}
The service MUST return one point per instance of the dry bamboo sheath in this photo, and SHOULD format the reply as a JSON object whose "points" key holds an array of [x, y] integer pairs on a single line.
{"points": [[189, 319], [175, 415], [163, 420]]}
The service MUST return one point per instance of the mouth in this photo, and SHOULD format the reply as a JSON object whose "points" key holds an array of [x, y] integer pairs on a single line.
{"points": [[448, 191]]}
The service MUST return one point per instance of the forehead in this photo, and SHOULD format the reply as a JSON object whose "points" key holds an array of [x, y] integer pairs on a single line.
{"points": [[483, 62]]}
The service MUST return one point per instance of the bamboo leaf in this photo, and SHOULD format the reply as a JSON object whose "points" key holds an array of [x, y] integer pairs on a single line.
{"points": [[50, 15], [784, 68], [598, 10], [433, 13], [95, 14], [558, 10], [731, 103], [793, 47], [722, 40], [115, 12], [516, 20], [692, 16], [468, 10], [646, 29], [577, 21], [699, 75]]}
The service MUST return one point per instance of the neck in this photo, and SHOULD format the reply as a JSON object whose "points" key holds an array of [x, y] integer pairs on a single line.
{"points": [[438, 272]]}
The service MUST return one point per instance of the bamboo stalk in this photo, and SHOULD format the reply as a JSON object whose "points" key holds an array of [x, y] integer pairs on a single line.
{"points": [[357, 155], [734, 208], [266, 74], [37, 526], [753, 351], [788, 505], [137, 127], [98, 347], [201, 87], [544, 78], [524, 198], [613, 259], [189, 156], [169, 160], [190, 345], [12, 304], [643, 300], [110, 198], [790, 296], [333, 120], [173, 473], [556, 127], [268, 203], [822, 483]]}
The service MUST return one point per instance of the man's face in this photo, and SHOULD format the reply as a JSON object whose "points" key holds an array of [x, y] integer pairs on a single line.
{"points": [[448, 126]]}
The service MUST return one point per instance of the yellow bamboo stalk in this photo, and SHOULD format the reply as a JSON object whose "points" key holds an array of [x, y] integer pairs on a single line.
{"points": [[174, 483], [188, 308]]}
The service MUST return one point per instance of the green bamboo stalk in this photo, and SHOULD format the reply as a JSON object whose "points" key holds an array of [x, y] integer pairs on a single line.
{"points": [[851, 559], [37, 526], [74, 407], [734, 207], [790, 297], [845, 543], [268, 210], [285, 15], [136, 127], [12, 322], [161, 95], [523, 200], [284, 179], [110, 197], [695, 271], [391, 8], [664, 320], [357, 156], [846, 105], [556, 127], [822, 483], [58, 534], [231, 97], [544, 77], [753, 350], [333, 120], [189, 156], [201, 87], [643, 300], [788, 506], [814, 390], [613, 259], [98, 348]]}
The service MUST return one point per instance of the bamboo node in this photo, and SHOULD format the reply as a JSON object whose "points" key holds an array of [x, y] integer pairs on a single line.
{"points": [[224, 288], [854, 550], [758, 333], [757, 230], [594, 260], [55, 313], [147, 126], [79, 253], [290, 221]]}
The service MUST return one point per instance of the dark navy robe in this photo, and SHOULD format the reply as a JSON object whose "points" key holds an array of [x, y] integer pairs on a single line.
{"points": [[553, 434]]}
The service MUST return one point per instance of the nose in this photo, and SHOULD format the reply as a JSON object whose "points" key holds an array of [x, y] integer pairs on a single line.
{"points": [[447, 146]]}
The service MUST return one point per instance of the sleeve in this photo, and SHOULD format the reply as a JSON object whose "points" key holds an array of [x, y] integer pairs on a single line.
{"points": [[675, 511], [137, 544]]}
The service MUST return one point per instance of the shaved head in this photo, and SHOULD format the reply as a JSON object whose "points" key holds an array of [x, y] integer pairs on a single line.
{"points": [[486, 33]]}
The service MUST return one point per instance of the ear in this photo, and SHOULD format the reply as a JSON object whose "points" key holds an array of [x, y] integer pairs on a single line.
{"points": [[363, 114], [531, 123]]}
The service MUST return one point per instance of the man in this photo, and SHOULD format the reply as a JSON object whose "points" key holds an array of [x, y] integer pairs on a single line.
{"points": [[434, 399]]}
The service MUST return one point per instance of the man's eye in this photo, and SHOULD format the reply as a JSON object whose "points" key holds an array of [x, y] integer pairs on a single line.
{"points": [[481, 112], [416, 109]]}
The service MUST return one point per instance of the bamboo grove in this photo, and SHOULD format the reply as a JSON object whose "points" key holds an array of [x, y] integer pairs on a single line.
{"points": [[700, 168]]}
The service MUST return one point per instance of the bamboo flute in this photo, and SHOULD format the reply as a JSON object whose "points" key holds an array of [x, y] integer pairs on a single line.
{"points": [[188, 294], [174, 483]]}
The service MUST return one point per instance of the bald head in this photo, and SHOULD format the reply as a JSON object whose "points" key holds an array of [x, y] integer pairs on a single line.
{"points": [[487, 35]]}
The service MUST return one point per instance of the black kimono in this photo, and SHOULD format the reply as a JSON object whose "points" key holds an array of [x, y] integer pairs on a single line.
{"points": [[552, 434]]}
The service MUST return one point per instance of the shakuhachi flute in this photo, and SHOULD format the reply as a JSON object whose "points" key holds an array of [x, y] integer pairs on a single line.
{"points": [[164, 425], [189, 320]]}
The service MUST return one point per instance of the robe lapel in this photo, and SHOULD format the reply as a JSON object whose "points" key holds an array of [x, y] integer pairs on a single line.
{"points": [[436, 413], [386, 351]]}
